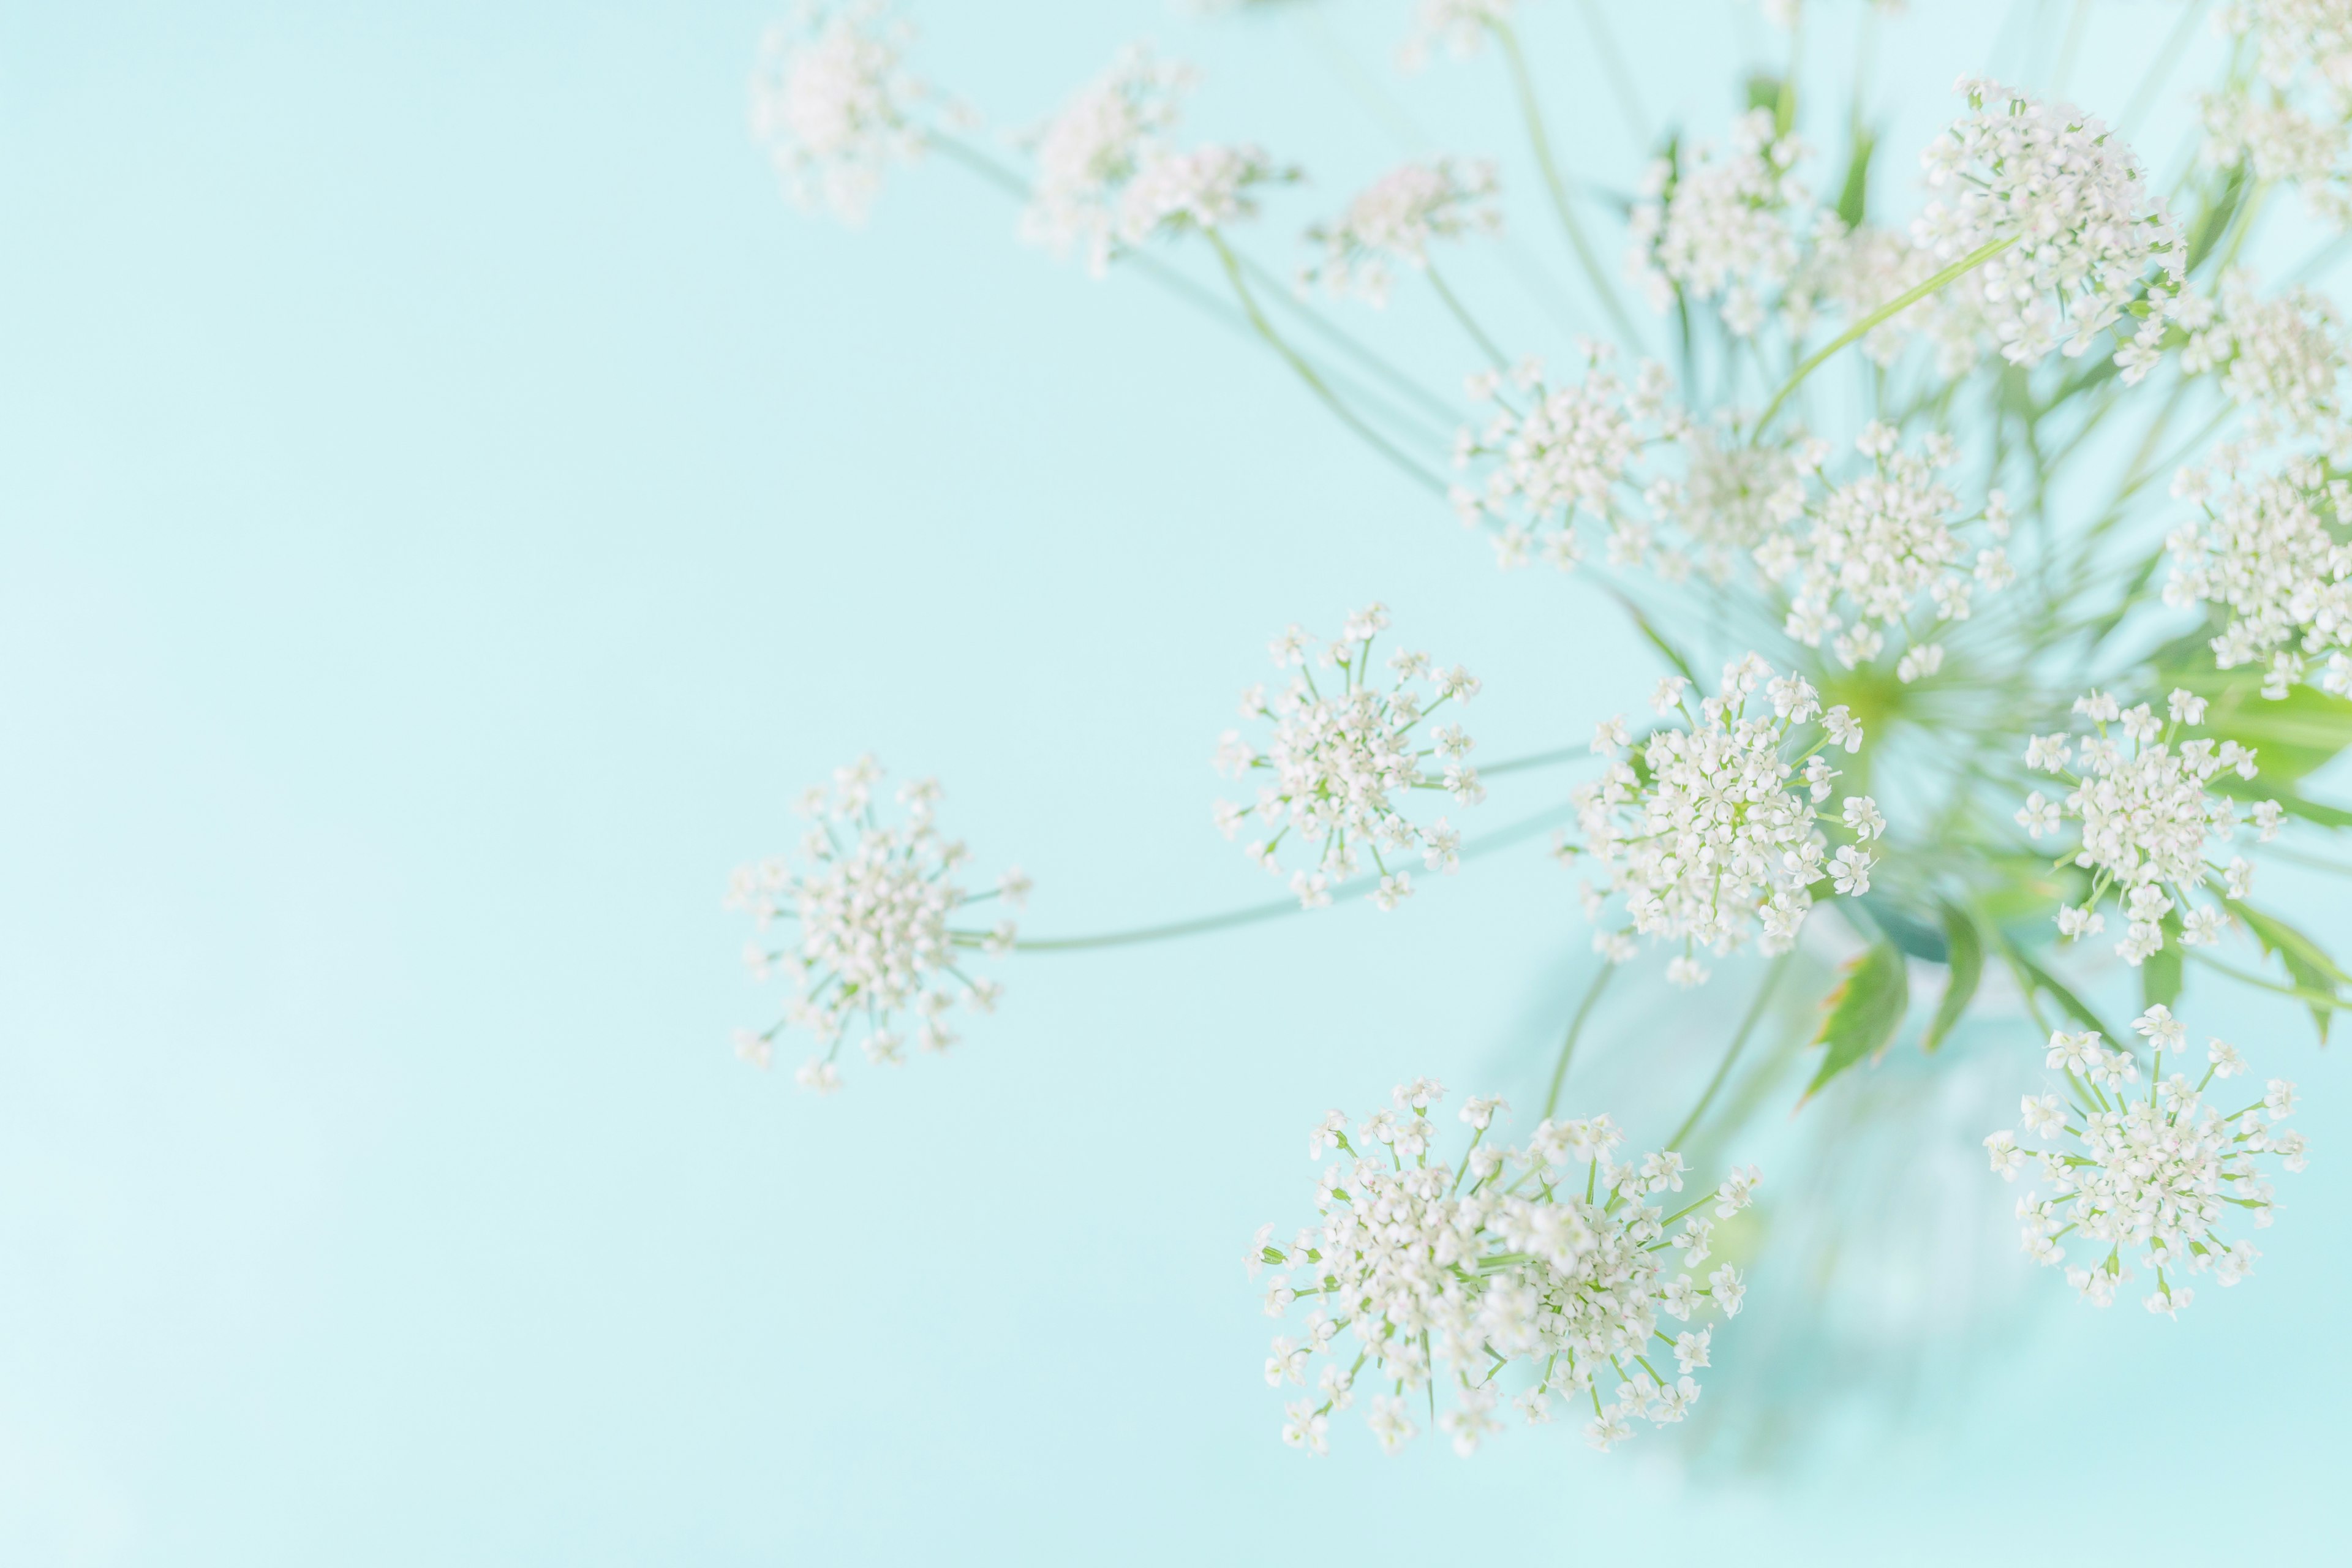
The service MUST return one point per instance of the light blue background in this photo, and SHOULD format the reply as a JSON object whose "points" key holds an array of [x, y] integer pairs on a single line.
{"points": [[448, 505]]}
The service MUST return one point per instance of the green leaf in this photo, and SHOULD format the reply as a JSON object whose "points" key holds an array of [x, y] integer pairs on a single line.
{"points": [[2292, 804], [2307, 961], [1904, 928], [1853, 199], [1862, 1013], [2291, 735], [1965, 945], [2033, 977], [2159, 975]]}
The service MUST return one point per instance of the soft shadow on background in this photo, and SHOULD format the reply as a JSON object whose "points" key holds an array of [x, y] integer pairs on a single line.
{"points": [[449, 505]]}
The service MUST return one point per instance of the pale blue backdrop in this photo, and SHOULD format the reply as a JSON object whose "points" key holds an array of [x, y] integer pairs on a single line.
{"points": [[449, 504]]}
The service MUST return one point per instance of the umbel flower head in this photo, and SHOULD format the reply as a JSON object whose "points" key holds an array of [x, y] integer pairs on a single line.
{"points": [[1346, 754], [2282, 359], [832, 102], [1552, 1266], [2085, 238], [1716, 222], [2158, 1171], [880, 927], [1086, 154], [1393, 219], [2287, 118], [2147, 819], [1714, 840], [1457, 26], [2265, 550], [1877, 545]]}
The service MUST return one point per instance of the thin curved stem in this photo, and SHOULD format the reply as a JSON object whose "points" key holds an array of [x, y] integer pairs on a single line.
{"points": [[1495, 355], [1901, 302], [1488, 843], [1575, 1027], [1523, 85], [1738, 1042], [1621, 81], [1346, 342], [2245, 978], [1314, 381]]}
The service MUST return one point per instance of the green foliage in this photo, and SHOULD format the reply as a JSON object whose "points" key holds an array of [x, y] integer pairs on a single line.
{"points": [[1863, 1013], [2307, 961], [1964, 949], [2037, 980], [1853, 197]]}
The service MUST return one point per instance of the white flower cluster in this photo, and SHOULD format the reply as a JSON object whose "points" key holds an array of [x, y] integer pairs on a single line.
{"points": [[2264, 549], [1852, 272], [831, 102], [2073, 204], [2160, 1171], [1439, 1272], [872, 905], [1394, 219], [1717, 224], [1459, 25], [2282, 360], [1088, 153], [1877, 545], [2145, 818], [1207, 188], [2289, 120], [1708, 841], [1731, 499], [1551, 452], [1342, 762]]}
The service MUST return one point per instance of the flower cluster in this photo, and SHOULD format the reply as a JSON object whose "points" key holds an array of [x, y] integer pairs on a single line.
{"points": [[2281, 358], [2264, 549], [1342, 762], [1088, 153], [1460, 26], [1717, 223], [2070, 203], [1551, 452], [1394, 219], [2160, 1171], [2289, 120], [831, 102], [872, 906], [1515, 1258], [1707, 840], [1850, 273], [2146, 818], [1204, 189], [1876, 545]]}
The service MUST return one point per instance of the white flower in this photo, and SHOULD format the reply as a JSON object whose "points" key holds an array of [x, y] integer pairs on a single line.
{"points": [[1089, 151], [1459, 25], [1206, 188], [1393, 219], [2087, 235], [873, 908], [2162, 1173], [1716, 221], [2146, 819], [2264, 550], [2287, 118], [1418, 1275], [831, 102], [1713, 846], [2281, 358], [1347, 753]]}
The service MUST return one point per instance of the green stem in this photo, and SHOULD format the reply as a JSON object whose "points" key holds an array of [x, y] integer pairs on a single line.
{"points": [[1739, 1041], [1501, 839], [1523, 85], [1575, 1027], [1621, 81], [1306, 373], [1901, 302], [2245, 977]]}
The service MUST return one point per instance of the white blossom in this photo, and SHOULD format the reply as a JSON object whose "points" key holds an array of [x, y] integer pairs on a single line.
{"points": [[1205, 189], [2288, 118], [1340, 767], [1549, 1262], [874, 909], [1088, 153], [1393, 219], [1716, 224], [832, 102], [2267, 549], [1458, 25], [1708, 844]]}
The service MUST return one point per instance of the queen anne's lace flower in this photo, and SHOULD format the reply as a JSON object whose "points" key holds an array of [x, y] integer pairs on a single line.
{"points": [[1459, 25], [1340, 769], [1207, 188], [1394, 219], [874, 909], [2265, 550], [2289, 120], [1089, 151], [1707, 841], [1850, 273], [2087, 237], [2160, 1171], [1420, 1272], [832, 102], [1717, 224], [2146, 818], [1877, 546]]}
